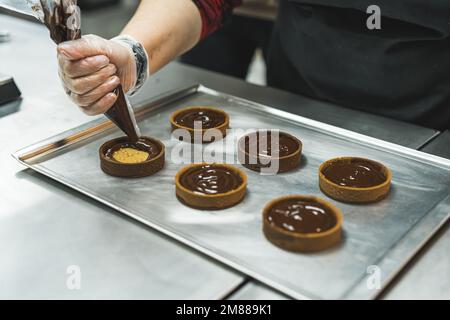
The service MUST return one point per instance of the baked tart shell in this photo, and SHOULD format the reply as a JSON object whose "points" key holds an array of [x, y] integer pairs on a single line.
{"points": [[303, 242], [131, 170], [286, 163], [214, 201], [355, 194], [204, 132]]}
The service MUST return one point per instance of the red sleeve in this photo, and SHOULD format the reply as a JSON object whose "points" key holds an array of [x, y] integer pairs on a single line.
{"points": [[214, 13]]}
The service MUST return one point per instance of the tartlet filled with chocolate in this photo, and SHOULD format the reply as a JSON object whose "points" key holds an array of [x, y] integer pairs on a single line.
{"points": [[302, 223], [200, 124], [210, 186], [266, 149], [122, 158], [354, 180]]}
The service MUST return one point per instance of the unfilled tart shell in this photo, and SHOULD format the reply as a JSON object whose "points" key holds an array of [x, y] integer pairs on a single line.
{"points": [[302, 242], [215, 201], [353, 194], [131, 170]]}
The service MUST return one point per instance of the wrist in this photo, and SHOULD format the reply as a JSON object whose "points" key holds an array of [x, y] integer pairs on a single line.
{"points": [[140, 58]]}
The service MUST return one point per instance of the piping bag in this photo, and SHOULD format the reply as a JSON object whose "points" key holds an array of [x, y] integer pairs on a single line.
{"points": [[63, 19]]}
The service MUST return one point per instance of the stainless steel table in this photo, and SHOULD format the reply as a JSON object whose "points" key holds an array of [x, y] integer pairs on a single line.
{"points": [[44, 227]]}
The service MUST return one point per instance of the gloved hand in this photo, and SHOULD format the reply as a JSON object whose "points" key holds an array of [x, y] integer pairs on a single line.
{"points": [[92, 67]]}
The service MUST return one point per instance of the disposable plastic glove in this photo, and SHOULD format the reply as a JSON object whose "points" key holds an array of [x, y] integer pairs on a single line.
{"points": [[92, 67]]}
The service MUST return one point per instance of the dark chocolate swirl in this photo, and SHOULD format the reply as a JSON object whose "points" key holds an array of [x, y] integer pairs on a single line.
{"points": [[261, 142], [298, 215], [355, 173], [211, 179], [209, 118]]}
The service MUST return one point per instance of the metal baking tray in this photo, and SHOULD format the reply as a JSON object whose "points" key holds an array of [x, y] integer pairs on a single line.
{"points": [[379, 239]]}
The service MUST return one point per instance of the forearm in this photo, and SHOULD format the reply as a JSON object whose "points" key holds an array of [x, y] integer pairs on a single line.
{"points": [[166, 28], [92, 67]]}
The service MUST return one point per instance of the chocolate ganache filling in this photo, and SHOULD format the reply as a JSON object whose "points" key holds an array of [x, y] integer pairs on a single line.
{"points": [[208, 118], [297, 215], [355, 173], [144, 145], [210, 180], [263, 143]]}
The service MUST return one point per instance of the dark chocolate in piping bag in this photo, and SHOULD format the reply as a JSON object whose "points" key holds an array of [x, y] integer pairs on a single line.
{"points": [[122, 114], [62, 18]]}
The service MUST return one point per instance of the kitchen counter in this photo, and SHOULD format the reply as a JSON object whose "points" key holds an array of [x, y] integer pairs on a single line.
{"points": [[46, 227]]}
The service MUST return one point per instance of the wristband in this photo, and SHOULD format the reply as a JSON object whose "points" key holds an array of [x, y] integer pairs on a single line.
{"points": [[141, 60]]}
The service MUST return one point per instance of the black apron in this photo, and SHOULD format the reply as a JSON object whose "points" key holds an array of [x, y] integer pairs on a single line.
{"points": [[323, 49]]}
